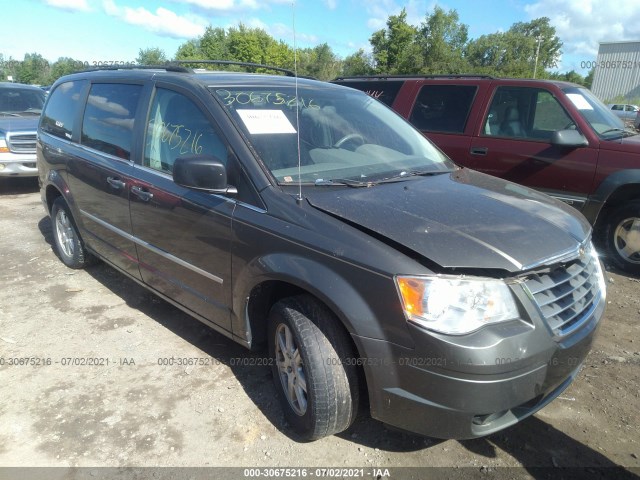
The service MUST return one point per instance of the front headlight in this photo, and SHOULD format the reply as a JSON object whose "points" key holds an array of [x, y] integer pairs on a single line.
{"points": [[455, 305]]}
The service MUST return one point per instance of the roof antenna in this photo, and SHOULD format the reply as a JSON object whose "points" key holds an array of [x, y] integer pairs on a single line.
{"points": [[295, 70]]}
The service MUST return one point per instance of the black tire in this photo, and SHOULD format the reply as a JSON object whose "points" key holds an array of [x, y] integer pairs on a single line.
{"points": [[66, 238], [325, 395], [622, 237]]}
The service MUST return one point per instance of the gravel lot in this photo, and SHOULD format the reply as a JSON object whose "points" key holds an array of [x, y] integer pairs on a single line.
{"points": [[128, 410]]}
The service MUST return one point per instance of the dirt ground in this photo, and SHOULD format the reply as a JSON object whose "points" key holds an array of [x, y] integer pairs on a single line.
{"points": [[127, 409]]}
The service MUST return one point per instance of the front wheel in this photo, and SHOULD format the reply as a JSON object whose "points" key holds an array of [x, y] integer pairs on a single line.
{"points": [[66, 237], [314, 370], [622, 237]]}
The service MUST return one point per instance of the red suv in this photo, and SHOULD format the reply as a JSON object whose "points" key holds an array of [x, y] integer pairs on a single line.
{"points": [[556, 137]]}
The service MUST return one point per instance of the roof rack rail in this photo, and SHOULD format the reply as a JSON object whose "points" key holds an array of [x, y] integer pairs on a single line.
{"points": [[397, 77], [175, 66], [289, 73], [167, 67]]}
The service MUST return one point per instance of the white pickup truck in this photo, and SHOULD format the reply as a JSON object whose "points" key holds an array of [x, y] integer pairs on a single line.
{"points": [[20, 107]]}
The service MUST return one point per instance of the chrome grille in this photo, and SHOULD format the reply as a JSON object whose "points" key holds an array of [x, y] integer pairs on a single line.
{"points": [[22, 142], [565, 295]]}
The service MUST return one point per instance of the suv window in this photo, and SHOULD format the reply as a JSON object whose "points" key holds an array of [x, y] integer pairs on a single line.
{"points": [[177, 128], [523, 112], [443, 108], [21, 100], [109, 117], [386, 91], [58, 118]]}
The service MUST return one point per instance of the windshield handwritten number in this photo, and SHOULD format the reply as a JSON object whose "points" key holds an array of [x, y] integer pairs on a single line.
{"points": [[269, 98]]}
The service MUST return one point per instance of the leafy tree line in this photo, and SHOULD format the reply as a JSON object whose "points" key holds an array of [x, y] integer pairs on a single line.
{"points": [[439, 45]]}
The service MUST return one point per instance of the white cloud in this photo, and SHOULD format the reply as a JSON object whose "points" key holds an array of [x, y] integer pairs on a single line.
{"points": [[280, 31], [72, 5], [163, 22], [582, 24], [103, 104], [331, 4], [232, 6], [380, 10]]}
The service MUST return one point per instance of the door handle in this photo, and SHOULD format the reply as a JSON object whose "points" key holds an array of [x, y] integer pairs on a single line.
{"points": [[479, 150], [116, 183], [143, 195]]}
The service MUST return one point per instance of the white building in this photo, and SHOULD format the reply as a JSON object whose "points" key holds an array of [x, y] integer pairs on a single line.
{"points": [[617, 71]]}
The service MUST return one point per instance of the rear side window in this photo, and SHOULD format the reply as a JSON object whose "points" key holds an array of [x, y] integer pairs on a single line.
{"points": [[109, 116], [443, 108], [385, 91], [62, 109]]}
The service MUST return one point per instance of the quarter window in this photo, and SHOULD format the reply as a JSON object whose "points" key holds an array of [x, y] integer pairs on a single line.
{"points": [[178, 128], [109, 117], [60, 114], [443, 108]]}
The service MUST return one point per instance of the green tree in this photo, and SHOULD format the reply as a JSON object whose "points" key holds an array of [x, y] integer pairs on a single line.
{"points": [[64, 66], [8, 68], [34, 69], [570, 76], [280, 55], [442, 39], [514, 53], [542, 42], [359, 63], [319, 62], [588, 80], [502, 54], [213, 44], [151, 56], [392, 46], [248, 44], [189, 50], [240, 44]]}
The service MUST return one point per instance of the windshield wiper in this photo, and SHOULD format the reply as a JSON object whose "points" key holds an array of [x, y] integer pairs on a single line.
{"points": [[31, 111], [621, 130], [10, 114], [413, 173], [321, 182]]}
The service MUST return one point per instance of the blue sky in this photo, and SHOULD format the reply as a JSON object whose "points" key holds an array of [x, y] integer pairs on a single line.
{"points": [[115, 30]]}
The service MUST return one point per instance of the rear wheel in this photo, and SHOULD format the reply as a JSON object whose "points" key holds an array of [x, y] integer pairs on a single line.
{"points": [[66, 237], [314, 370], [622, 237]]}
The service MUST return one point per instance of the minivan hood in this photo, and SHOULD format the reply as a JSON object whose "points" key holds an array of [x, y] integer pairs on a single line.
{"points": [[19, 124], [462, 219]]}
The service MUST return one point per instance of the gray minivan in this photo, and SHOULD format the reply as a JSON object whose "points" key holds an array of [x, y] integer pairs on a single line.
{"points": [[311, 218]]}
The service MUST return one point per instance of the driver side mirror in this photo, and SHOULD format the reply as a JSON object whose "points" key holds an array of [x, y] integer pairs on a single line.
{"points": [[202, 172], [568, 139]]}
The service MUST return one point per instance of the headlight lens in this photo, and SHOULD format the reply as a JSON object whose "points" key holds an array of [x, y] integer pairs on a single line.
{"points": [[3, 146], [454, 305]]}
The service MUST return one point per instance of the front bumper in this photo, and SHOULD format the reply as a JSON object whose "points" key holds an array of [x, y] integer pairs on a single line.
{"points": [[18, 165], [469, 387]]}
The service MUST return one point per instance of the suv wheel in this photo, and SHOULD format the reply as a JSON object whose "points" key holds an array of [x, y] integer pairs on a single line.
{"points": [[313, 367], [65, 235], [622, 237]]}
